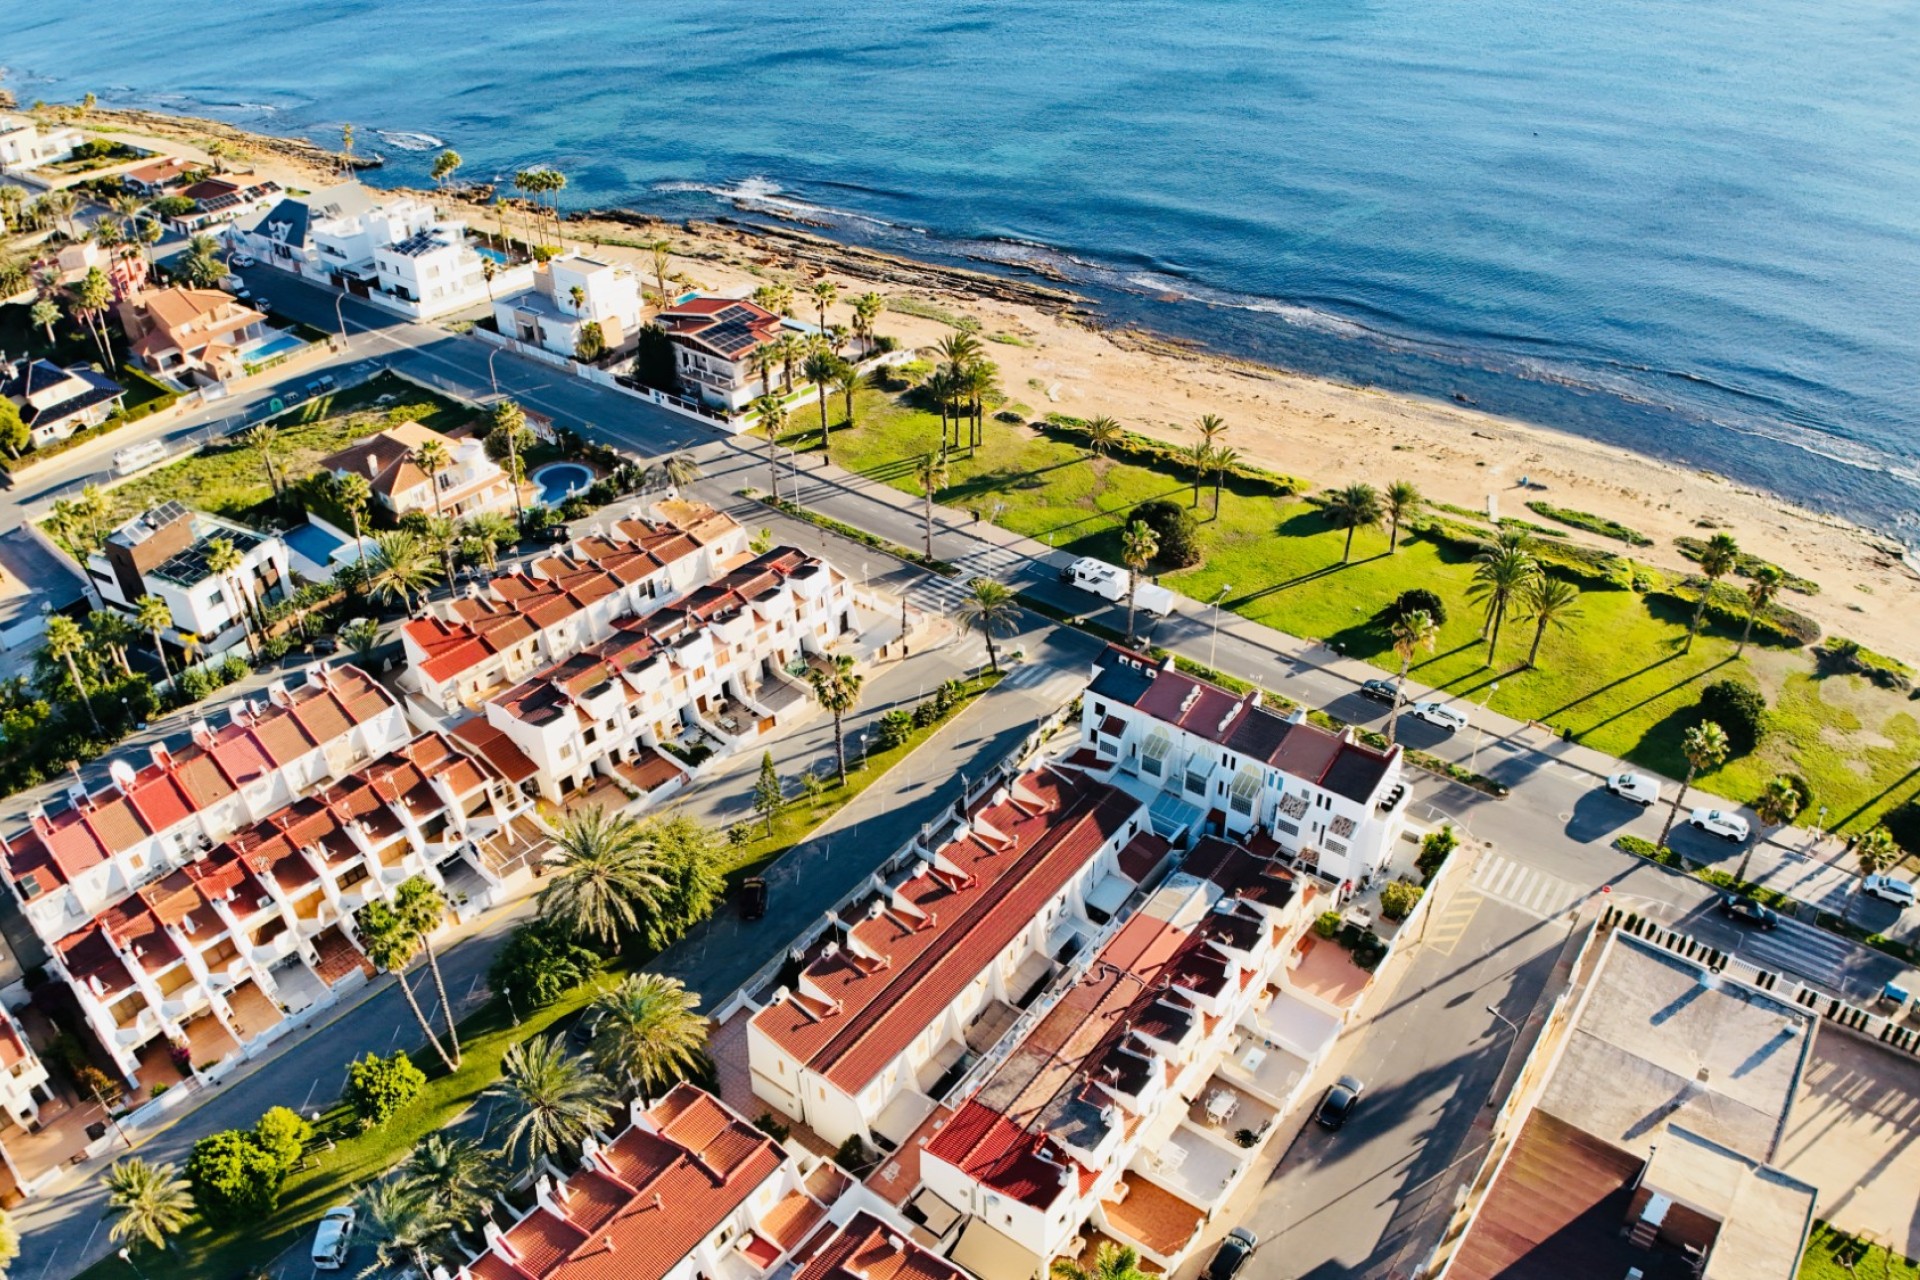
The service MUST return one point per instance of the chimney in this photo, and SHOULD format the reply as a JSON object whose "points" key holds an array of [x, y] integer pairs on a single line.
{"points": [[202, 734], [608, 1241], [373, 465], [160, 756]]}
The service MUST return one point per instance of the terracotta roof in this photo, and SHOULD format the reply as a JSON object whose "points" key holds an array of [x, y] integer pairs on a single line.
{"points": [[868, 1249], [498, 750], [91, 958]]}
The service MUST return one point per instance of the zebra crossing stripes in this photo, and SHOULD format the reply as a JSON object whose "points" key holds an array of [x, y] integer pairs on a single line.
{"points": [[1526, 888], [1800, 951]]}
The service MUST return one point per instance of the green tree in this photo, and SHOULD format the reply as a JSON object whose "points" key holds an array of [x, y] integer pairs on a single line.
{"points": [[45, 311], [398, 1220], [1546, 602], [1138, 546], [1224, 460], [1874, 853], [492, 531], [662, 251], [236, 1175], [432, 458], [226, 563], [1198, 457], [821, 369], [825, 294], [9, 1242], [1778, 803], [445, 165], [989, 608], [147, 1202], [65, 643], [93, 297], [1354, 507], [1103, 434], [263, 438], [866, 309], [650, 1033], [1500, 577], [591, 344], [693, 866], [773, 422], [458, 1175], [354, 495], [402, 568], [1761, 592], [392, 939], [155, 615], [604, 870], [378, 1088], [552, 1100], [1721, 556], [1705, 747], [1110, 1262], [14, 435], [846, 380], [541, 962], [767, 793], [677, 470], [1411, 633], [508, 421], [1402, 502], [836, 686], [931, 476]]}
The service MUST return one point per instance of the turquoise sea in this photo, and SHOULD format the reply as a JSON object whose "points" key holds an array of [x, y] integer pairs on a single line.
{"points": [[1692, 228]]}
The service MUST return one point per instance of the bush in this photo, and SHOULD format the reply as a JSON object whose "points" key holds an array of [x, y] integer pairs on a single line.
{"points": [[93, 1083], [1177, 531], [1246, 1138], [236, 1175], [772, 1127], [1415, 600], [379, 1088], [853, 1155], [1398, 898], [1643, 848], [894, 728], [1850, 657], [1746, 565], [539, 964], [1738, 708], [1591, 523], [1435, 848], [1327, 923]]}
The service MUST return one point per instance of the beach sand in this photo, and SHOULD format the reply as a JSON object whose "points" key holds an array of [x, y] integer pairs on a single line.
{"points": [[1332, 434]]}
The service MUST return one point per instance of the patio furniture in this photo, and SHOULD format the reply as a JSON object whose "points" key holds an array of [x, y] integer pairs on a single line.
{"points": [[1221, 1104]]}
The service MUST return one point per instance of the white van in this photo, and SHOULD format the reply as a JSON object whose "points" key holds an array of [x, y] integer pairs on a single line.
{"points": [[135, 456], [334, 1240], [1109, 582]]}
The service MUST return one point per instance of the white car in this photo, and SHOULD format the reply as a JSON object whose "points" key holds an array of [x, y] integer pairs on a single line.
{"points": [[241, 260], [334, 1240], [1887, 889], [1438, 713], [1637, 787], [1728, 826]]}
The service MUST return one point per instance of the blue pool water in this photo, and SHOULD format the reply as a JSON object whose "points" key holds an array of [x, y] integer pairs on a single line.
{"points": [[1686, 227], [315, 543], [495, 254], [283, 344], [559, 481]]}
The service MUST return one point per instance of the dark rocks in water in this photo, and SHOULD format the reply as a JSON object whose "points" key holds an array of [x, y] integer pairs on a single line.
{"points": [[1466, 399]]}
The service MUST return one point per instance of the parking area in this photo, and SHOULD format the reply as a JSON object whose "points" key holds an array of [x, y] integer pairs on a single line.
{"points": [[1852, 1133]]}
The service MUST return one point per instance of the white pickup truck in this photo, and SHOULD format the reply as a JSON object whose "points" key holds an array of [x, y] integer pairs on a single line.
{"points": [[1110, 582]]}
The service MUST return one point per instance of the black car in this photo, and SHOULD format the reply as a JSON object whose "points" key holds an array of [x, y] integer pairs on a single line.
{"points": [[580, 1034], [1379, 690], [753, 898], [1337, 1107], [1744, 910], [1232, 1254]]}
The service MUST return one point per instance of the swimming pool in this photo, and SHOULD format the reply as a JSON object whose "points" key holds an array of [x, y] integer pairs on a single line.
{"points": [[487, 252], [273, 348], [559, 481]]}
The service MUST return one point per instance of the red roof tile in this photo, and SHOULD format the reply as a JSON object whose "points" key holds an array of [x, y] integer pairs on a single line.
{"points": [[868, 1249]]}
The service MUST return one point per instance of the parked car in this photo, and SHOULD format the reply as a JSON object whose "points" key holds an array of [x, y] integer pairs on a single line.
{"points": [[1728, 826], [326, 646], [1887, 889], [1379, 691], [1338, 1104], [1741, 909], [241, 260], [1438, 713], [1232, 1254], [334, 1240], [580, 1034], [753, 898], [1637, 787]]}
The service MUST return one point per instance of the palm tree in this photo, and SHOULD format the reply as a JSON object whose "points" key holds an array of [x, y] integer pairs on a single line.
{"points": [[445, 165], [1103, 433], [1705, 746], [791, 349], [490, 531], [225, 561], [1548, 602], [931, 475], [773, 421], [1874, 853], [981, 382], [1412, 632], [766, 359], [555, 1100], [148, 1202], [432, 458], [649, 1033], [1199, 456], [263, 438], [1110, 1262], [92, 297], [1139, 544], [391, 938], [836, 686], [354, 494], [1211, 427], [678, 469], [989, 608], [846, 380], [940, 386], [1779, 803], [403, 567], [442, 537], [601, 867], [512, 419], [1223, 461], [821, 369], [1717, 560], [662, 251], [1402, 501], [457, 1174], [866, 309], [1499, 579], [1766, 584], [825, 294], [65, 642], [398, 1219], [156, 615], [1351, 508], [45, 311], [425, 907]]}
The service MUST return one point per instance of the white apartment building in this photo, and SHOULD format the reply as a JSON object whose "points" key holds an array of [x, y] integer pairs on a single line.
{"points": [[165, 552], [436, 271], [569, 292], [896, 1001], [1334, 805], [27, 145], [23, 1077]]}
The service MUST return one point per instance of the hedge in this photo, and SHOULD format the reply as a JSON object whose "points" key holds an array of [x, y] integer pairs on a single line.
{"points": [[1746, 565], [1146, 452], [1591, 523]]}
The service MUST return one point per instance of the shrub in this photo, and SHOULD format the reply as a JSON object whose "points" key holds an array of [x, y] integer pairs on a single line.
{"points": [[1246, 1138], [1591, 523], [1415, 600], [1327, 923], [92, 1082], [894, 728], [1738, 708], [1398, 898], [540, 963], [1643, 848], [1176, 529], [853, 1155], [378, 1089], [236, 1175], [1746, 565], [1850, 657], [282, 1134], [1903, 824], [1435, 848], [772, 1127]]}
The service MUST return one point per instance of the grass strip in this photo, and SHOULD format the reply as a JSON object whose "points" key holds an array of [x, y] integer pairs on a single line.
{"points": [[1591, 523]]}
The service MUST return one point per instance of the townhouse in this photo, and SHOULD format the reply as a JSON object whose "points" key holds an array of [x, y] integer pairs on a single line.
{"points": [[168, 552], [868, 1246], [23, 1077], [893, 1005], [686, 1190], [1216, 760]]}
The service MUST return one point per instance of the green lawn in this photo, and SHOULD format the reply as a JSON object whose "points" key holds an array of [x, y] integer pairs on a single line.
{"points": [[1617, 682], [1835, 1255]]}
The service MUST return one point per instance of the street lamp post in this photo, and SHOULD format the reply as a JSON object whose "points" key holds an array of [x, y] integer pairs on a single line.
{"points": [[1213, 645], [493, 375], [126, 1256], [515, 1013], [340, 315], [1511, 1024], [1480, 728]]}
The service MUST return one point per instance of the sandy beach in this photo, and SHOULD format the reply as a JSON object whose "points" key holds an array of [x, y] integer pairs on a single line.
{"points": [[1054, 355]]}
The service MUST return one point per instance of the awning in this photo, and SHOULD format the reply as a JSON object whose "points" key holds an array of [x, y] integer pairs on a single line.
{"points": [[992, 1256]]}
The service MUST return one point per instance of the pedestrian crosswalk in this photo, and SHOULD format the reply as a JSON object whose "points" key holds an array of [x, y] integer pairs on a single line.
{"points": [[1799, 951], [1527, 888]]}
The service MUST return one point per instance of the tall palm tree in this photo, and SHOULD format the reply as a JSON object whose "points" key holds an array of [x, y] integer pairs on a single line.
{"points": [[445, 165], [981, 382], [1705, 746], [1874, 853], [773, 421], [65, 642], [510, 418], [156, 615], [398, 1220], [1103, 433], [1761, 591], [836, 686], [91, 298], [392, 939], [147, 1201], [1351, 508], [825, 294], [1412, 632], [930, 475], [989, 608], [1402, 501], [604, 868], [225, 561], [792, 350], [1499, 578], [846, 380], [1223, 460], [489, 530], [418, 901], [432, 458], [403, 567], [1199, 457], [263, 438], [1546, 602], [442, 537], [1778, 803], [678, 470], [866, 309], [45, 312], [649, 1033], [766, 360], [1211, 427], [1110, 1262], [554, 1099], [821, 369], [1717, 560], [457, 1174], [354, 494], [939, 385], [662, 251], [1139, 544]]}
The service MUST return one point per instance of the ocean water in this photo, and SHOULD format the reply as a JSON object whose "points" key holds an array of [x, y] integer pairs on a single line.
{"points": [[1689, 227]]}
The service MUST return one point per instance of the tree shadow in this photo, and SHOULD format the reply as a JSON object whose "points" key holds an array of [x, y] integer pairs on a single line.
{"points": [[1685, 715]]}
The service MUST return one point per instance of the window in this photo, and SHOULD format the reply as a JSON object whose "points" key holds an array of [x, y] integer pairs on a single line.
{"points": [[1246, 786], [1196, 783], [1099, 710], [1154, 759]]}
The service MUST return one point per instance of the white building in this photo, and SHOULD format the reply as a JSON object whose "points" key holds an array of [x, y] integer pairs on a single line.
{"points": [[344, 245], [716, 343], [284, 234], [568, 293], [1333, 804], [54, 402], [389, 461], [23, 1077], [27, 145], [166, 551], [436, 271]]}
